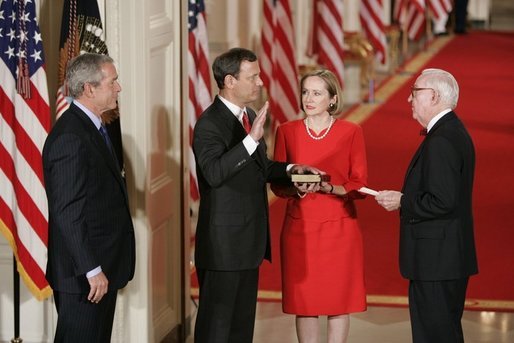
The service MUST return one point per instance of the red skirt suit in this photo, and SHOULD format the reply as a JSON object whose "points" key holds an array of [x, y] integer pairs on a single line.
{"points": [[321, 243]]}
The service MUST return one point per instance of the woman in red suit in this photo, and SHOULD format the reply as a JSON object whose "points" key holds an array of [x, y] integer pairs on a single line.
{"points": [[321, 243]]}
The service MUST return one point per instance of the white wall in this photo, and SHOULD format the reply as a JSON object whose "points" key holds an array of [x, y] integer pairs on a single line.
{"points": [[146, 40]]}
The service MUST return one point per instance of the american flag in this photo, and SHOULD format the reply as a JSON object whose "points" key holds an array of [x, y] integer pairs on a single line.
{"points": [[327, 36], [411, 16], [371, 13], [440, 10], [24, 126], [82, 31], [199, 78], [278, 62]]}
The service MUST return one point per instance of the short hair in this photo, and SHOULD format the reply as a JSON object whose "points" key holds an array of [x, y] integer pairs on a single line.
{"points": [[229, 63], [85, 68], [444, 84], [332, 86]]}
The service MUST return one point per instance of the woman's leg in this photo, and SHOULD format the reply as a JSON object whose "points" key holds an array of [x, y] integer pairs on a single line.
{"points": [[307, 329], [338, 327]]}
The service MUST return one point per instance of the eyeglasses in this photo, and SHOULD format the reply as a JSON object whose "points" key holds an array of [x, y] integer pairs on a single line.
{"points": [[415, 89]]}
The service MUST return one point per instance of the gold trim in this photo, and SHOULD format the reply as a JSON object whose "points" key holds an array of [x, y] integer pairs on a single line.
{"points": [[39, 294], [471, 304], [391, 86]]}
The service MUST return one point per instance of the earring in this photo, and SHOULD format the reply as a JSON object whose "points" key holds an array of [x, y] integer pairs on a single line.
{"points": [[331, 106]]}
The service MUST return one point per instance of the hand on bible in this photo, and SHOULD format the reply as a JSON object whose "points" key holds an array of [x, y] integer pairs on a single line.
{"points": [[306, 187]]}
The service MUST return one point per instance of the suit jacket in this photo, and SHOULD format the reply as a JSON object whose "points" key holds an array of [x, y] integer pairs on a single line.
{"points": [[89, 218], [232, 231], [436, 224]]}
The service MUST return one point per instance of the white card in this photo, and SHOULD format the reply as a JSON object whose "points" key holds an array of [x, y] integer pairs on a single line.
{"points": [[369, 191]]}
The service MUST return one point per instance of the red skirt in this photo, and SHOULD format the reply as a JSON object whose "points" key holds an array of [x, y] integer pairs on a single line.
{"points": [[322, 267]]}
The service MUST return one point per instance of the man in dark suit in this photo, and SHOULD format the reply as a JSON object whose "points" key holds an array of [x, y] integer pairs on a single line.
{"points": [[437, 247], [461, 16], [232, 234], [91, 247]]}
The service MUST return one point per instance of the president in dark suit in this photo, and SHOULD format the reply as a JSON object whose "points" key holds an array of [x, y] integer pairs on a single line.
{"points": [[232, 234], [91, 250], [437, 246]]}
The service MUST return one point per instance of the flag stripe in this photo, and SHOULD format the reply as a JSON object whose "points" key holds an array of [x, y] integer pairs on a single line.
{"points": [[16, 191], [25, 238], [327, 36], [278, 62], [411, 16], [199, 78], [23, 140], [24, 126], [371, 13], [440, 10], [36, 278]]}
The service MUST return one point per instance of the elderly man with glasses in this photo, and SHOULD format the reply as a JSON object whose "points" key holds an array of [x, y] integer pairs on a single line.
{"points": [[437, 247]]}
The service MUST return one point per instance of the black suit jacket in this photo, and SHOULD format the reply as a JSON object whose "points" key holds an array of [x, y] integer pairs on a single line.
{"points": [[89, 219], [232, 231], [436, 230]]}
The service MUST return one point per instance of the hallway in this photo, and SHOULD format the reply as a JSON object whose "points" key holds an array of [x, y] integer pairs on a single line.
{"points": [[392, 324]]}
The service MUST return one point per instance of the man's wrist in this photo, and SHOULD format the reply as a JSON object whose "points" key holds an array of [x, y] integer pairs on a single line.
{"points": [[94, 272]]}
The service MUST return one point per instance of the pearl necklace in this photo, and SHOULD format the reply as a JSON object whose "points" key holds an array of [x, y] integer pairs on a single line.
{"points": [[305, 121]]}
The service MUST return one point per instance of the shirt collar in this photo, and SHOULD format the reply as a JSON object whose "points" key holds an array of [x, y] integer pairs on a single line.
{"points": [[90, 114], [236, 110], [434, 120]]}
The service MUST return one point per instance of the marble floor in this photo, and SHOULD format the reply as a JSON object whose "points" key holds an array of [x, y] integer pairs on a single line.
{"points": [[380, 324]]}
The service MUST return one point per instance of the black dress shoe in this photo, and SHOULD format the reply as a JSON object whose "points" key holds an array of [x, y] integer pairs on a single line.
{"points": [[440, 34], [460, 32]]}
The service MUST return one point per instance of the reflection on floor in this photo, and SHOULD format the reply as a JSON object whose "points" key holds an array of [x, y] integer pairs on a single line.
{"points": [[380, 324]]}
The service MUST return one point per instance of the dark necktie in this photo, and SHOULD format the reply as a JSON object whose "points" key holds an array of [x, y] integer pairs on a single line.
{"points": [[105, 135], [423, 132], [246, 122]]}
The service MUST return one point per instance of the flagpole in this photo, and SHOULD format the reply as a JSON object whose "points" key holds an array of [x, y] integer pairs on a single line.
{"points": [[16, 292]]}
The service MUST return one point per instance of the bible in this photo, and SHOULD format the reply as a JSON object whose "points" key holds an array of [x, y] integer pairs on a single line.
{"points": [[306, 178]]}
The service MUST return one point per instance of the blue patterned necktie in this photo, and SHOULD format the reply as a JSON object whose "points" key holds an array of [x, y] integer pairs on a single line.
{"points": [[105, 135]]}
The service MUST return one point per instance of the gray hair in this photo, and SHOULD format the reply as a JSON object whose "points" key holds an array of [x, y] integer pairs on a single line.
{"points": [[444, 85], [85, 68]]}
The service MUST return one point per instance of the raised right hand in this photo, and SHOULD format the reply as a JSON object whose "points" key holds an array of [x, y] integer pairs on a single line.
{"points": [[257, 130]]}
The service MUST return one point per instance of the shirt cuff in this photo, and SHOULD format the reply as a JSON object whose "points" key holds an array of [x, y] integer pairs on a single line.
{"points": [[250, 144], [94, 272]]}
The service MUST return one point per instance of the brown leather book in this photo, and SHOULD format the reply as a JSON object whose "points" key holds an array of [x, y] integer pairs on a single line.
{"points": [[305, 178]]}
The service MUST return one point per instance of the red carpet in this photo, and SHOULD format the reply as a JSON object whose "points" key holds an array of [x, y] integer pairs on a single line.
{"points": [[482, 64]]}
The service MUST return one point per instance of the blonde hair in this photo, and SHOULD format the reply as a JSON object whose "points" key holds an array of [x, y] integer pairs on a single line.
{"points": [[332, 85]]}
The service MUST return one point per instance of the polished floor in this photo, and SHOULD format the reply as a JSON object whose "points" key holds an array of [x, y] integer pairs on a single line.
{"points": [[380, 325]]}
